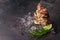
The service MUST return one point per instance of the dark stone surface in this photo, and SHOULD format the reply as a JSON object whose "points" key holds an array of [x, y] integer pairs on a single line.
{"points": [[10, 10]]}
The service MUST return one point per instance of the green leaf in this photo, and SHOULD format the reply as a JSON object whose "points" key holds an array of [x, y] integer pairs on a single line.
{"points": [[47, 27], [42, 32]]}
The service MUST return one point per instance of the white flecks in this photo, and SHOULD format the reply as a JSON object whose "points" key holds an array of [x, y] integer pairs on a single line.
{"points": [[23, 20], [27, 20], [33, 28]]}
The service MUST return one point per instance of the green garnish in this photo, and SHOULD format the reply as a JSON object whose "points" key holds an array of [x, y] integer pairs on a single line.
{"points": [[41, 32]]}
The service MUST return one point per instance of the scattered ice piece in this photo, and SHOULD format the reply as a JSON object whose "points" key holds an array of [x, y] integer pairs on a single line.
{"points": [[33, 28], [23, 20]]}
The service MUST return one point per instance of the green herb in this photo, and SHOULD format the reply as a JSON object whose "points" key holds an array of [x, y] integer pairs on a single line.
{"points": [[40, 33]]}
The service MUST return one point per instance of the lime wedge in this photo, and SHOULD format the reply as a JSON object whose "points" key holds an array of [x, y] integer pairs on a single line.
{"points": [[47, 27]]}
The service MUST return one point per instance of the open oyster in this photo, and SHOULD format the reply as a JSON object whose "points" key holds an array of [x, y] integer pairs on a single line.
{"points": [[42, 24]]}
